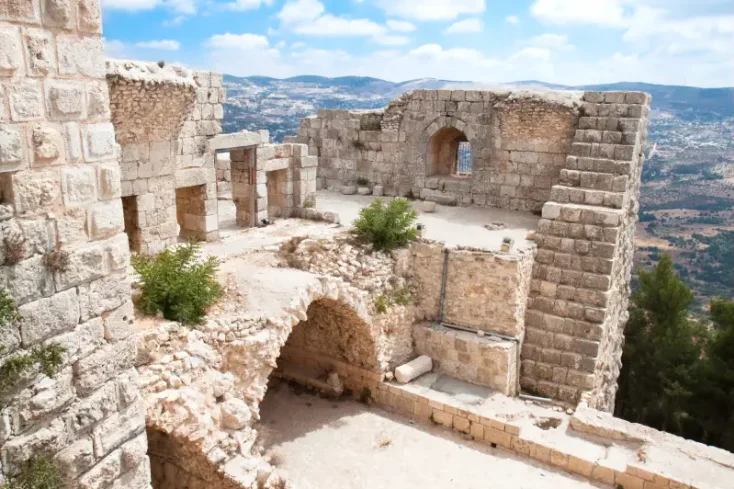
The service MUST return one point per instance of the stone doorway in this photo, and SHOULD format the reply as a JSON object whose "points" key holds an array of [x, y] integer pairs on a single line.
{"points": [[132, 221], [196, 213], [245, 188], [280, 194]]}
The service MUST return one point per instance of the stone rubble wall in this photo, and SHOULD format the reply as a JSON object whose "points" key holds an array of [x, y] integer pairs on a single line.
{"points": [[580, 289], [203, 387], [60, 191], [519, 143], [164, 118]]}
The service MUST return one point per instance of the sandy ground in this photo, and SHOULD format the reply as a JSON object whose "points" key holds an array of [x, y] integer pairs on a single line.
{"points": [[329, 444], [456, 226]]}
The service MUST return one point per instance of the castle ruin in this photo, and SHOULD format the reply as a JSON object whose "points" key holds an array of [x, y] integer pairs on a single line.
{"points": [[518, 287]]}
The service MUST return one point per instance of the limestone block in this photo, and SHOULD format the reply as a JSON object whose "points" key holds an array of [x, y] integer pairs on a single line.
{"points": [[120, 323], [106, 219], [71, 226], [98, 141], [43, 397], [76, 459], [438, 197], [98, 103], [108, 181], [85, 264], [235, 414], [103, 295], [378, 190], [235, 140], [79, 185], [26, 100], [104, 473], [191, 177], [39, 235], [49, 439], [81, 56], [28, 280], [11, 55], [81, 342], [428, 206], [348, 189], [117, 250], [72, 142], [12, 148], [40, 52], [277, 164], [90, 17], [413, 369], [119, 428], [135, 152], [48, 145], [20, 11], [94, 370], [36, 191], [58, 13]]}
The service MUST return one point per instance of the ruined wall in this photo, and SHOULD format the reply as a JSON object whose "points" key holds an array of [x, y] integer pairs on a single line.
{"points": [[164, 116], [477, 359], [519, 143], [484, 290], [580, 288], [60, 180]]}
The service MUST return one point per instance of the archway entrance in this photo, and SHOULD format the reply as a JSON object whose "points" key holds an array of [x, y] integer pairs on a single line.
{"points": [[449, 153]]}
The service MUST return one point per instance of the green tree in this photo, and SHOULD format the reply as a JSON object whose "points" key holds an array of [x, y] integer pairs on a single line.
{"points": [[662, 350], [387, 226], [712, 408]]}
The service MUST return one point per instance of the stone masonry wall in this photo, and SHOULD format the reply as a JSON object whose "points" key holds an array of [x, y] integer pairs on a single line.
{"points": [[164, 117], [519, 143], [60, 180], [578, 299], [484, 290]]}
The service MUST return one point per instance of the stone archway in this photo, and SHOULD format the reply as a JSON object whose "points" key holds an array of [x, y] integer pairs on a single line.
{"points": [[439, 145]]}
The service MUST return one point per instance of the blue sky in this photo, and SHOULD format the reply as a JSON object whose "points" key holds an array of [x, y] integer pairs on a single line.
{"points": [[559, 41]]}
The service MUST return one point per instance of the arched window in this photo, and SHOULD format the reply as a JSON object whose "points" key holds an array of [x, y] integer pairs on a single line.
{"points": [[450, 153]]}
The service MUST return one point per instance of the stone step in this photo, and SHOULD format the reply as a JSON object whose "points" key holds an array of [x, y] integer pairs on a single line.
{"points": [[605, 136], [582, 213], [598, 165], [621, 152], [576, 195], [594, 180]]}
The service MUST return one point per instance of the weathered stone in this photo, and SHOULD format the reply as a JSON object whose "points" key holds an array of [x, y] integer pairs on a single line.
{"points": [[26, 100], [79, 185], [11, 55], [48, 145], [12, 148], [65, 100], [106, 219], [45, 318], [103, 364], [98, 141], [40, 52]]}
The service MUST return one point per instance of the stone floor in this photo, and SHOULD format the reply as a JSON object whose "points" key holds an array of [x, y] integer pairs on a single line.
{"points": [[328, 444], [456, 226]]}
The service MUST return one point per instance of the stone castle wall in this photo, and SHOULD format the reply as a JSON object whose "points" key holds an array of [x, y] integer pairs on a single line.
{"points": [[164, 117], [60, 181], [519, 143], [580, 289]]}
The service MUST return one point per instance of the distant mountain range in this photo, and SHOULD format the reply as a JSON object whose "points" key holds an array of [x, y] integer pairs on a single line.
{"points": [[257, 101]]}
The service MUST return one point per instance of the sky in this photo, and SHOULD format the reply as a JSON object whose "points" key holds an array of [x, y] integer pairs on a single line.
{"points": [[571, 42]]}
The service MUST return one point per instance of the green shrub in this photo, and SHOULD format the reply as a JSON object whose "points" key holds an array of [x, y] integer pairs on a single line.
{"points": [[309, 203], [402, 296], [8, 310], [39, 473], [387, 226], [381, 304], [176, 283]]}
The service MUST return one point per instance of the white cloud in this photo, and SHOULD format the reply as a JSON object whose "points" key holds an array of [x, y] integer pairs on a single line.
{"points": [[300, 11], [130, 5], [242, 5], [550, 41], [175, 22], [186, 7], [431, 9], [602, 12], [245, 42], [400, 26], [329, 25], [164, 45], [465, 26], [298, 45], [114, 49], [307, 17], [512, 19]]}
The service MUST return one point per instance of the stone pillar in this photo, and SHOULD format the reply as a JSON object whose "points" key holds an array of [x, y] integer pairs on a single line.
{"points": [[197, 213], [577, 306], [60, 180], [243, 188]]}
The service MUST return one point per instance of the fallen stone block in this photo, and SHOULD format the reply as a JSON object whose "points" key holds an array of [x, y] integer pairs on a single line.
{"points": [[348, 190], [413, 369]]}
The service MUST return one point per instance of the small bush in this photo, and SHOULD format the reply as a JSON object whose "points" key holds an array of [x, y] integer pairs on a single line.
{"points": [[8, 310], [381, 304], [39, 473], [309, 203], [175, 283], [57, 261], [387, 226], [46, 358], [402, 296]]}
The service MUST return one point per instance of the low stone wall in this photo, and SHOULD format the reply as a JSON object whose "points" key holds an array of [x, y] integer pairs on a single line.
{"points": [[484, 290], [467, 356]]}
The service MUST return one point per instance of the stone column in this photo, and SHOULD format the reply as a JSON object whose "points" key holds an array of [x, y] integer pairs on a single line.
{"points": [[60, 181], [243, 191]]}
